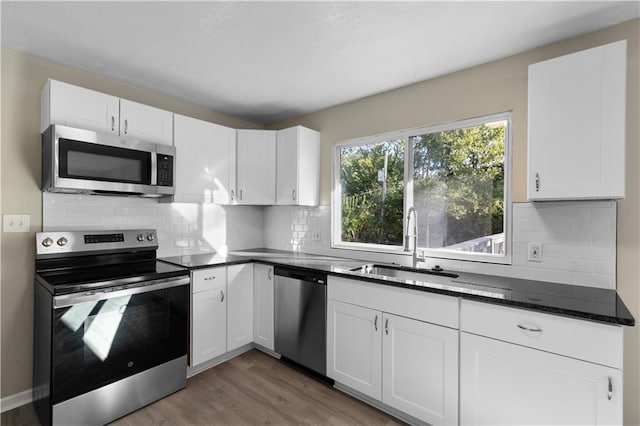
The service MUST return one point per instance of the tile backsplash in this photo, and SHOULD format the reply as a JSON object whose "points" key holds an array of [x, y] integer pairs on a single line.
{"points": [[578, 238], [578, 241], [182, 228]]}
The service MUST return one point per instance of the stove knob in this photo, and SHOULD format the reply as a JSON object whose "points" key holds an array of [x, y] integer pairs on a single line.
{"points": [[140, 237], [47, 242], [150, 237], [62, 241]]}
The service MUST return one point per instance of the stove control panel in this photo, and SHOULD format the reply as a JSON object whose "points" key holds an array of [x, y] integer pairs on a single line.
{"points": [[63, 243]]}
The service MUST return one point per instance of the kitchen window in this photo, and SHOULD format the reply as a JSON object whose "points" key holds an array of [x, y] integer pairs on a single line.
{"points": [[456, 175]]}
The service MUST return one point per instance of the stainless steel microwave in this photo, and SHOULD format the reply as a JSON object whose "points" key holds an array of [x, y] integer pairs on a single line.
{"points": [[87, 162]]}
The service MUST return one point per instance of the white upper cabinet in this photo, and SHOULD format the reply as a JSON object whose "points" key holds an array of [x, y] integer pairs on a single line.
{"points": [[146, 122], [69, 105], [256, 167], [298, 167], [74, 106], [577, 125], [206, 163]]}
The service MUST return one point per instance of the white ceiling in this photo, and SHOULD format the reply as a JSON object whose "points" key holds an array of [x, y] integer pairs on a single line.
{"points": [[266, 61]]}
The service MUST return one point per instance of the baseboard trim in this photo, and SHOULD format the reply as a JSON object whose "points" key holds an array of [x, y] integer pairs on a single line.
{"points": [[16, 400]]}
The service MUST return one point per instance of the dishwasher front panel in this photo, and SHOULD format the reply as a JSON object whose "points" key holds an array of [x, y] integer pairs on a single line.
{"points": [[300, 321]]}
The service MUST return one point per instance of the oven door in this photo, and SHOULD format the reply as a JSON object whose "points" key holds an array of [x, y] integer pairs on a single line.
{"points": [[102, 337]]}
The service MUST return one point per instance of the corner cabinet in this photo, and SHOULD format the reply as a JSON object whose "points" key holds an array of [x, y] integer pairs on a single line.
{"points": [[256, 167], [263, 306], [576, 143], [298, 167], [408, 364], [74, 106], [206, 164], [524, 367]]}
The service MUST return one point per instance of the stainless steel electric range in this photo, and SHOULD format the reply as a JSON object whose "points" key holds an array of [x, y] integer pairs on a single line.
{"points": [[111, 325]]}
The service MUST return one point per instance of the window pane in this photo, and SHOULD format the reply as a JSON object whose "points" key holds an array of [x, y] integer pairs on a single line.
{"points": [[459, 188], [372, 182]]}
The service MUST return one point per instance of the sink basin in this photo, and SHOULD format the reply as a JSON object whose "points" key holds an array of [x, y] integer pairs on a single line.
{"points": [[406, 274]]}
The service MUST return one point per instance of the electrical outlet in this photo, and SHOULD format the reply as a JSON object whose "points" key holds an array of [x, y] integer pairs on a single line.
{"points": [[16, 222], [535, 252], [315, 235]]}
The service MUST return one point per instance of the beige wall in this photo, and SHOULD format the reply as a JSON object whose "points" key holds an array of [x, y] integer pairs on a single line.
{"points": [[22, 78], [495, 87]]}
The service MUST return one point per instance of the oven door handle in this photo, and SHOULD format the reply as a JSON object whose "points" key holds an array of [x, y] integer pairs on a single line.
{"points": [[66, 300]]}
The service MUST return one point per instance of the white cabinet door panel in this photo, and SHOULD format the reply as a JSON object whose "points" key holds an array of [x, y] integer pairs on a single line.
{"points": [[209, 325], [420, 369], [263, 302], [507, 384], [146, 122], [239, 305], [256, 167], [354, 347]]}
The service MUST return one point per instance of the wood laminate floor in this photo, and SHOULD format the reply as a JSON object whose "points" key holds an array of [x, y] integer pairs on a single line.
{"points": [[250, 389]]}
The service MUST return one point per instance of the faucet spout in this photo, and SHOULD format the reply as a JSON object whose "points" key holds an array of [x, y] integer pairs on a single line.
{"points": [[413, 236]]}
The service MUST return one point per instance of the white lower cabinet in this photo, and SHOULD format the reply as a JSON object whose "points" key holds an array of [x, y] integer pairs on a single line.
{"points": [[407, 364], [209, 315], [263, 304], [239, 305], [506, 384], [354, 347]]}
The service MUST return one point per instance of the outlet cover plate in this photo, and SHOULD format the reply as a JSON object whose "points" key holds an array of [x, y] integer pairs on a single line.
{"points": [[534, 253]]}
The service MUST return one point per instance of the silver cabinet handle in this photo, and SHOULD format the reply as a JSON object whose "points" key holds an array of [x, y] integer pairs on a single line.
{"points": [[233, 195], [293, 194], [386, 326], [126, 126], [241, 194], [269, 273], [537, 182], [610, 389], [113, 123], [375, 323], [525, 328], [209, 278], [221, 296]]}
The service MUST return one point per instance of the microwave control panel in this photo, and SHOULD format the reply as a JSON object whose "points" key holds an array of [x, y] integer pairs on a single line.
{"points": [[165, 170]]}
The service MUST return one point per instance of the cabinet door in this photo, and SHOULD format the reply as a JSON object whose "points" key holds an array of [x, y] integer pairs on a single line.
{"points": [[146, 122], [75, 106], [420, 369], [256, 167], [239, 305], [577, 125], [205, 163], [298, 167], [209, 325], [263, 302], [354, 347], [506, 384]]}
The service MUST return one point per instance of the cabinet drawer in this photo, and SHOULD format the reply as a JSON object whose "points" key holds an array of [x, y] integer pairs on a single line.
{"points": [[208, 279], [589, 341], [420, 305]]}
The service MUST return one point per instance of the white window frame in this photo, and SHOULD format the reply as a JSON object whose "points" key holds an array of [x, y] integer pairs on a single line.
{"points": [[336, 192]]}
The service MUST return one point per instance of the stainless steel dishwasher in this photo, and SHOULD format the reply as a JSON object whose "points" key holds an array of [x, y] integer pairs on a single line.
{"points": [[300, 317]]}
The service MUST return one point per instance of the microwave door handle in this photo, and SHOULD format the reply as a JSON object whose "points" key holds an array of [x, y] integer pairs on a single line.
{"points": [[154, 168]]}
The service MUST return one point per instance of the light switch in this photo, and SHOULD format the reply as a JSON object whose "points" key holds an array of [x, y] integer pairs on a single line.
{"points": [[16, 223]]}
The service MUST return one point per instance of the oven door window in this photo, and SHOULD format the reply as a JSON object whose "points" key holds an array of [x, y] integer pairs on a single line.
{"points": [[83, 160], [100, 342]]}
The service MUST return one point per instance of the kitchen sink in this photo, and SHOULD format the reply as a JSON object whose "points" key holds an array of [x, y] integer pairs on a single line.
{"points": [[426, 275]]}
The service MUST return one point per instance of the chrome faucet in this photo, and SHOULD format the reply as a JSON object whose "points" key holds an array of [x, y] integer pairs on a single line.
{"points": [[414, 236]]}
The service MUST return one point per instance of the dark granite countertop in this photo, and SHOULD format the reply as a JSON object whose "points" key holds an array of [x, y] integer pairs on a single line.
{"points": [[593, 304]]}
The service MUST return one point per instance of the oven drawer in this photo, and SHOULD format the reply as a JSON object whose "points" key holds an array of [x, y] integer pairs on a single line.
{"points": [[208, 279], [586, 340]]}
